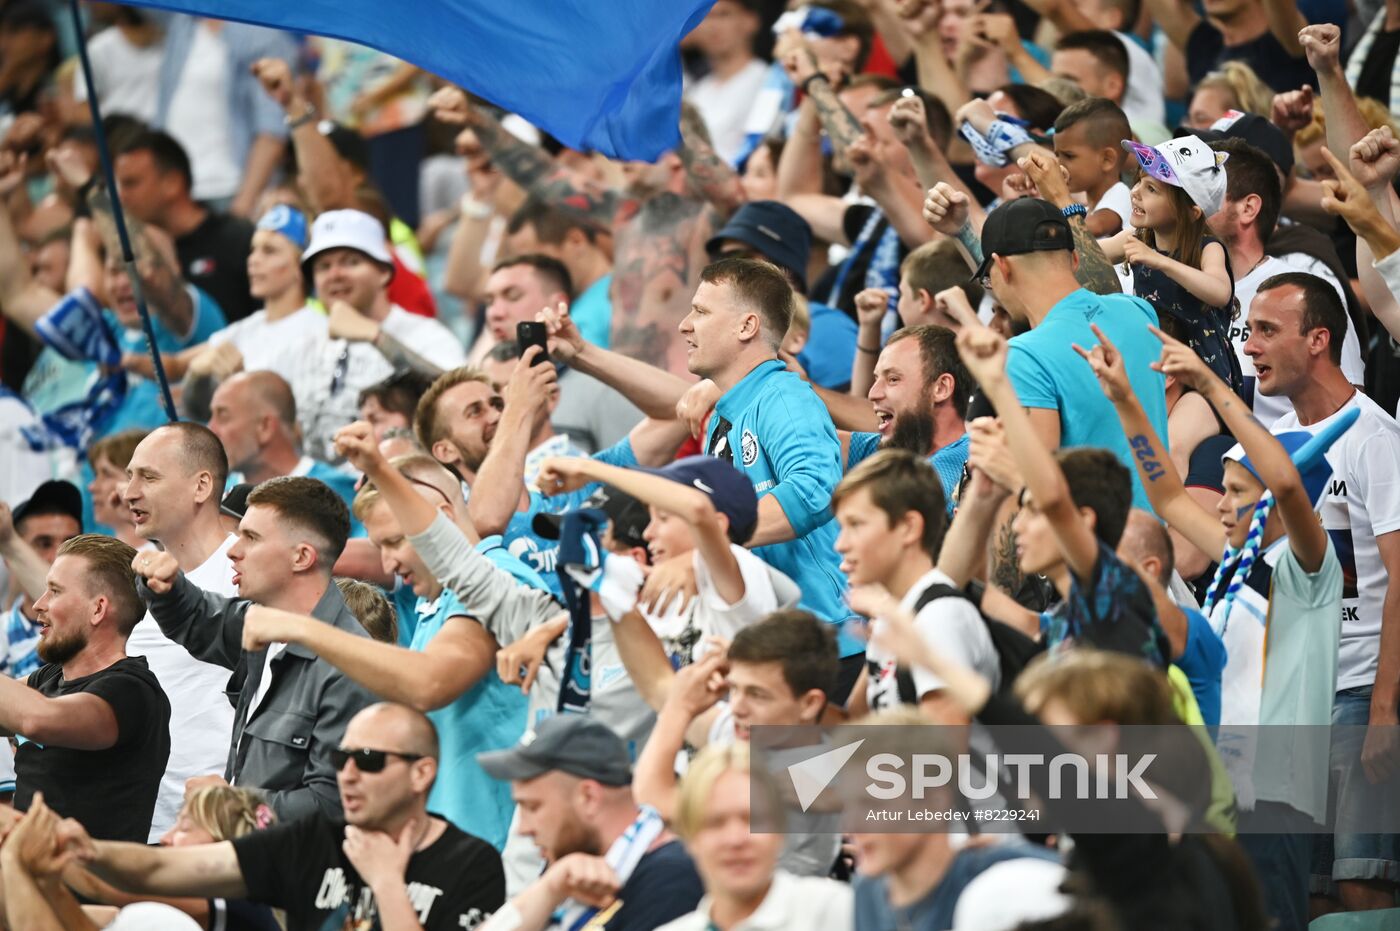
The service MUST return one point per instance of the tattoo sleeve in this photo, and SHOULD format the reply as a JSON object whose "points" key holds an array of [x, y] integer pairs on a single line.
{"points": [[709, 175], [971, 243], [1095, 272], [840, 125], [529, 167]]}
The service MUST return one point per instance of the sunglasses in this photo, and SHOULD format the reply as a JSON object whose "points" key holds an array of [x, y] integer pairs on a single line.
{"points": [[366, 760]]}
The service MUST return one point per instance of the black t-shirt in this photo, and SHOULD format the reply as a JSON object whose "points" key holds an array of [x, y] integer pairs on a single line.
{"points": [[1206, 50], [1378, 70], [662, 888], [457, 882], [214, 258], [113, 791]]}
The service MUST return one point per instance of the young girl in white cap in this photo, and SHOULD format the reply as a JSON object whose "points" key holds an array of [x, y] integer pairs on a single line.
{"points": [[1175, 265]]}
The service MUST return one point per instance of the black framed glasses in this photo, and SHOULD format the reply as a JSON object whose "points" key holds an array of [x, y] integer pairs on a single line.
{"points": [[367, 760]]}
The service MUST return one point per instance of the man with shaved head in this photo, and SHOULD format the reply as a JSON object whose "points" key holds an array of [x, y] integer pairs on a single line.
{"points": [[389, 864], [254, 415], [175, 482], [1196, 647]]}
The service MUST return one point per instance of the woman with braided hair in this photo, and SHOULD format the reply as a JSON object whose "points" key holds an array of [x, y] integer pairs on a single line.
{"points": [[1275, 602]]}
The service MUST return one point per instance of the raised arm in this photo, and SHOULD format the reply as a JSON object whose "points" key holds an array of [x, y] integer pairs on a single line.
{"points": [[693, 694], [1094, 270], [1370, 212], [454, 661], [209, 626], [323, 175], [1306, 537], [22, 299], [983, 351], [1159, 477], [1322, 44], [689, 504], [27, 568], [1175, 18], [500, 482], [655, 391], [709, 175], [1285, 21], [1211, 283], [526, 165]]}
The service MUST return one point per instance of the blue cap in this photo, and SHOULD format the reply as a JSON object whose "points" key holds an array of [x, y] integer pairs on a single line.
{"points": [[289, 221], [1308, 452], [731, 493]]}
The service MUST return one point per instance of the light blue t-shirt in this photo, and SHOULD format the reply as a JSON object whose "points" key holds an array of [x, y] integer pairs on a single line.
{"points": [[1203, 662], [488, 716], [1047, 373], [534, 550], [830, 349], [591, 312], [404, 599], [948, 461], [780, 436]]}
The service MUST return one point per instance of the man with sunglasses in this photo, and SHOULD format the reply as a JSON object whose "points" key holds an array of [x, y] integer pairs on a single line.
{"points": [[291, 707], [390, 864]]}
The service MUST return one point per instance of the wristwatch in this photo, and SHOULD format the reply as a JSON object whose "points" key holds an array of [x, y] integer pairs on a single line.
{"points": [[1075, 210], [296, 122]]}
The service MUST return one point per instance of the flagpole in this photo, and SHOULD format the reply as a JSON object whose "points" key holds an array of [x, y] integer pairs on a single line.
{"points": [[128, 256]]}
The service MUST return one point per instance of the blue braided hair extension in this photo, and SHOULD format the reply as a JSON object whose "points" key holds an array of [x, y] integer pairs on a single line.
{"points": [[1241, 559]]}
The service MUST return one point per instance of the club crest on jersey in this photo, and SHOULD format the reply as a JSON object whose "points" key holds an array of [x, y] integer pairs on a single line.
{"points": [[748, 448]]}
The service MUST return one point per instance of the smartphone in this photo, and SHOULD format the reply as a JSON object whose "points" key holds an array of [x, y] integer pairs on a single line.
{"points": [[533, 333]]}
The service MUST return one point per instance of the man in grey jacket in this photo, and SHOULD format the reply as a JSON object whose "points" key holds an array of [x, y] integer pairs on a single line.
{"points": [[291, 706]]}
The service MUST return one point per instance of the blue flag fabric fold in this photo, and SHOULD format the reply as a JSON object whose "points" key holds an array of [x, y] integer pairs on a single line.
{"points": [[601, 75], [580, 548]]}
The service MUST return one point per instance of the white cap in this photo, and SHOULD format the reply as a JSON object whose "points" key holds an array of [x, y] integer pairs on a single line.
{"points": [[1011, 892], [152, 916], [348, 229], [1189, 163]]}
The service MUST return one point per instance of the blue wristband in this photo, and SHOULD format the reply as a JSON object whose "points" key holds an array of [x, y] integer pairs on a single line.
{"points": [[1075, 210]]}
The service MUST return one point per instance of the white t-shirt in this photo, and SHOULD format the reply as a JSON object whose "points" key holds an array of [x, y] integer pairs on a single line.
{"points": [[725, 105], [199, 119], [1269, 409], [328, 375], [127, 75], [1362, 502], [952, 625], [683, 630], [1142, 98], [1119, 199], [201, 717], [264, 343], [791, 902]]}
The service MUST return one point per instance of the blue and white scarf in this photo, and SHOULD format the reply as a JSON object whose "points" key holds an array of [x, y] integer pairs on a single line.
{"points": [[623, 856]]}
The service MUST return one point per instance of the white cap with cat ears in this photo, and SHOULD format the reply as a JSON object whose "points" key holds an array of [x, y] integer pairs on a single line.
{"points": [[1188, 163]]}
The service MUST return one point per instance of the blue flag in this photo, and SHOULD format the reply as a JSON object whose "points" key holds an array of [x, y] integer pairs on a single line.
{"points": [[601, 75]]}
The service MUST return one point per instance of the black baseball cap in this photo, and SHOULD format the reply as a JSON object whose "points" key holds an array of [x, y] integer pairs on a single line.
{"points": [[628, 516], [52, 497], [1022, 226], [235, 503], [1252, 128], [576, 744]]}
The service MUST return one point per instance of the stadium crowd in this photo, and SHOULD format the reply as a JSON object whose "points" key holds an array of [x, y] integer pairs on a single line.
{"points": [[1022, 362]]}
